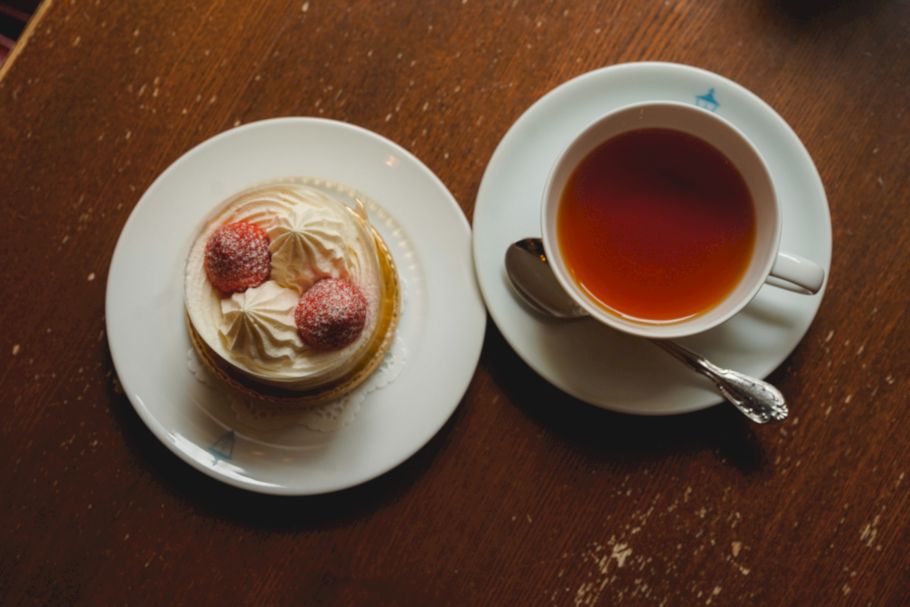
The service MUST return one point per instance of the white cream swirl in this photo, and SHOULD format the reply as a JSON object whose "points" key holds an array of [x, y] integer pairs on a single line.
{"points": [[257, 325], [312, 235], [308, 244]]}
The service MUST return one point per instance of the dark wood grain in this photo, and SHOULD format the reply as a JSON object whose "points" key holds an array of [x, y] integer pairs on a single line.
{"points": [[526, 496]]}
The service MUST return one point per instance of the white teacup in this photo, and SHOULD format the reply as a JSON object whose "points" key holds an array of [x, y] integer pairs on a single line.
{"points": [[768, 263]]}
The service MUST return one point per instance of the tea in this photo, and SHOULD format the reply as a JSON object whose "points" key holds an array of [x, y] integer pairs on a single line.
{"points": [[656, 225]]}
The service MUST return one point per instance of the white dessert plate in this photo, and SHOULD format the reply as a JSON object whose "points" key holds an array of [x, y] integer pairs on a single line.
{"points": [[585, 359], [442, 323]]}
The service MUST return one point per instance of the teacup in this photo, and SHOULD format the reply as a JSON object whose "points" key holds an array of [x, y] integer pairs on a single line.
{"points": [[661, 220]]}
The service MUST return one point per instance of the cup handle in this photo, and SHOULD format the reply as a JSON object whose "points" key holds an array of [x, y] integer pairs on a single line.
{"points": [[796, 274]]}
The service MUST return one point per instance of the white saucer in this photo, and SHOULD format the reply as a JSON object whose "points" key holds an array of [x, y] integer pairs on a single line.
{"points": [[442, 323], [585, 359]]}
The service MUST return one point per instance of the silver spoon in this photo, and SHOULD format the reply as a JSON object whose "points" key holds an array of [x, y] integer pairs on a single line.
{"points": [[530, 273]]}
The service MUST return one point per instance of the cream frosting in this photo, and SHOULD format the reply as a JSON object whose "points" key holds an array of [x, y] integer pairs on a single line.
{"points": [[307, 244], [257, 325], [312, 236]]}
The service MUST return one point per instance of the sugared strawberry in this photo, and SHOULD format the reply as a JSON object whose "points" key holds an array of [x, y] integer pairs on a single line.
{"points": [[237, 257], [331, 314]]}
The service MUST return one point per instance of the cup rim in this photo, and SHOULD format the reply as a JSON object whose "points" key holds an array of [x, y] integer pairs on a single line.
{"points": [[670, 329]]}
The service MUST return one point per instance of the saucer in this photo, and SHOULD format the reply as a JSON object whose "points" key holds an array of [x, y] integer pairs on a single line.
{"points": [[586, 359], [441, 325]]}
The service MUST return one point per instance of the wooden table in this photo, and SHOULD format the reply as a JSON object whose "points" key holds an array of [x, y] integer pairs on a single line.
{"points": [[526, 496]]}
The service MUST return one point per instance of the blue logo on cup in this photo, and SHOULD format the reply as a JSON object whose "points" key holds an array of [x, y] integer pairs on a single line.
{"points": [[707, 100]]}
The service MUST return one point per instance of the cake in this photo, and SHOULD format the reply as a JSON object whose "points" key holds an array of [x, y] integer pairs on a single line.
{"points": [[291, 296]]}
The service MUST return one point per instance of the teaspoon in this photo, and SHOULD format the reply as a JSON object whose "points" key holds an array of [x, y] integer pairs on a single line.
{"points": [[533, 279]]}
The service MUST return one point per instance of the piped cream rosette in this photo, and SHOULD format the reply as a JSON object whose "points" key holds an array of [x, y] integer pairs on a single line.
{"points": [[249, 339]]}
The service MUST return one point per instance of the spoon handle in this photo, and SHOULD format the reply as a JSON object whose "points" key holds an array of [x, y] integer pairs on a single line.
{"points": [[758, 400]]}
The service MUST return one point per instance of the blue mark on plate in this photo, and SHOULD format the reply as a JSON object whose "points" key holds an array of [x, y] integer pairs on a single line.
{"points": [[707, 101], [223, 448]]}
